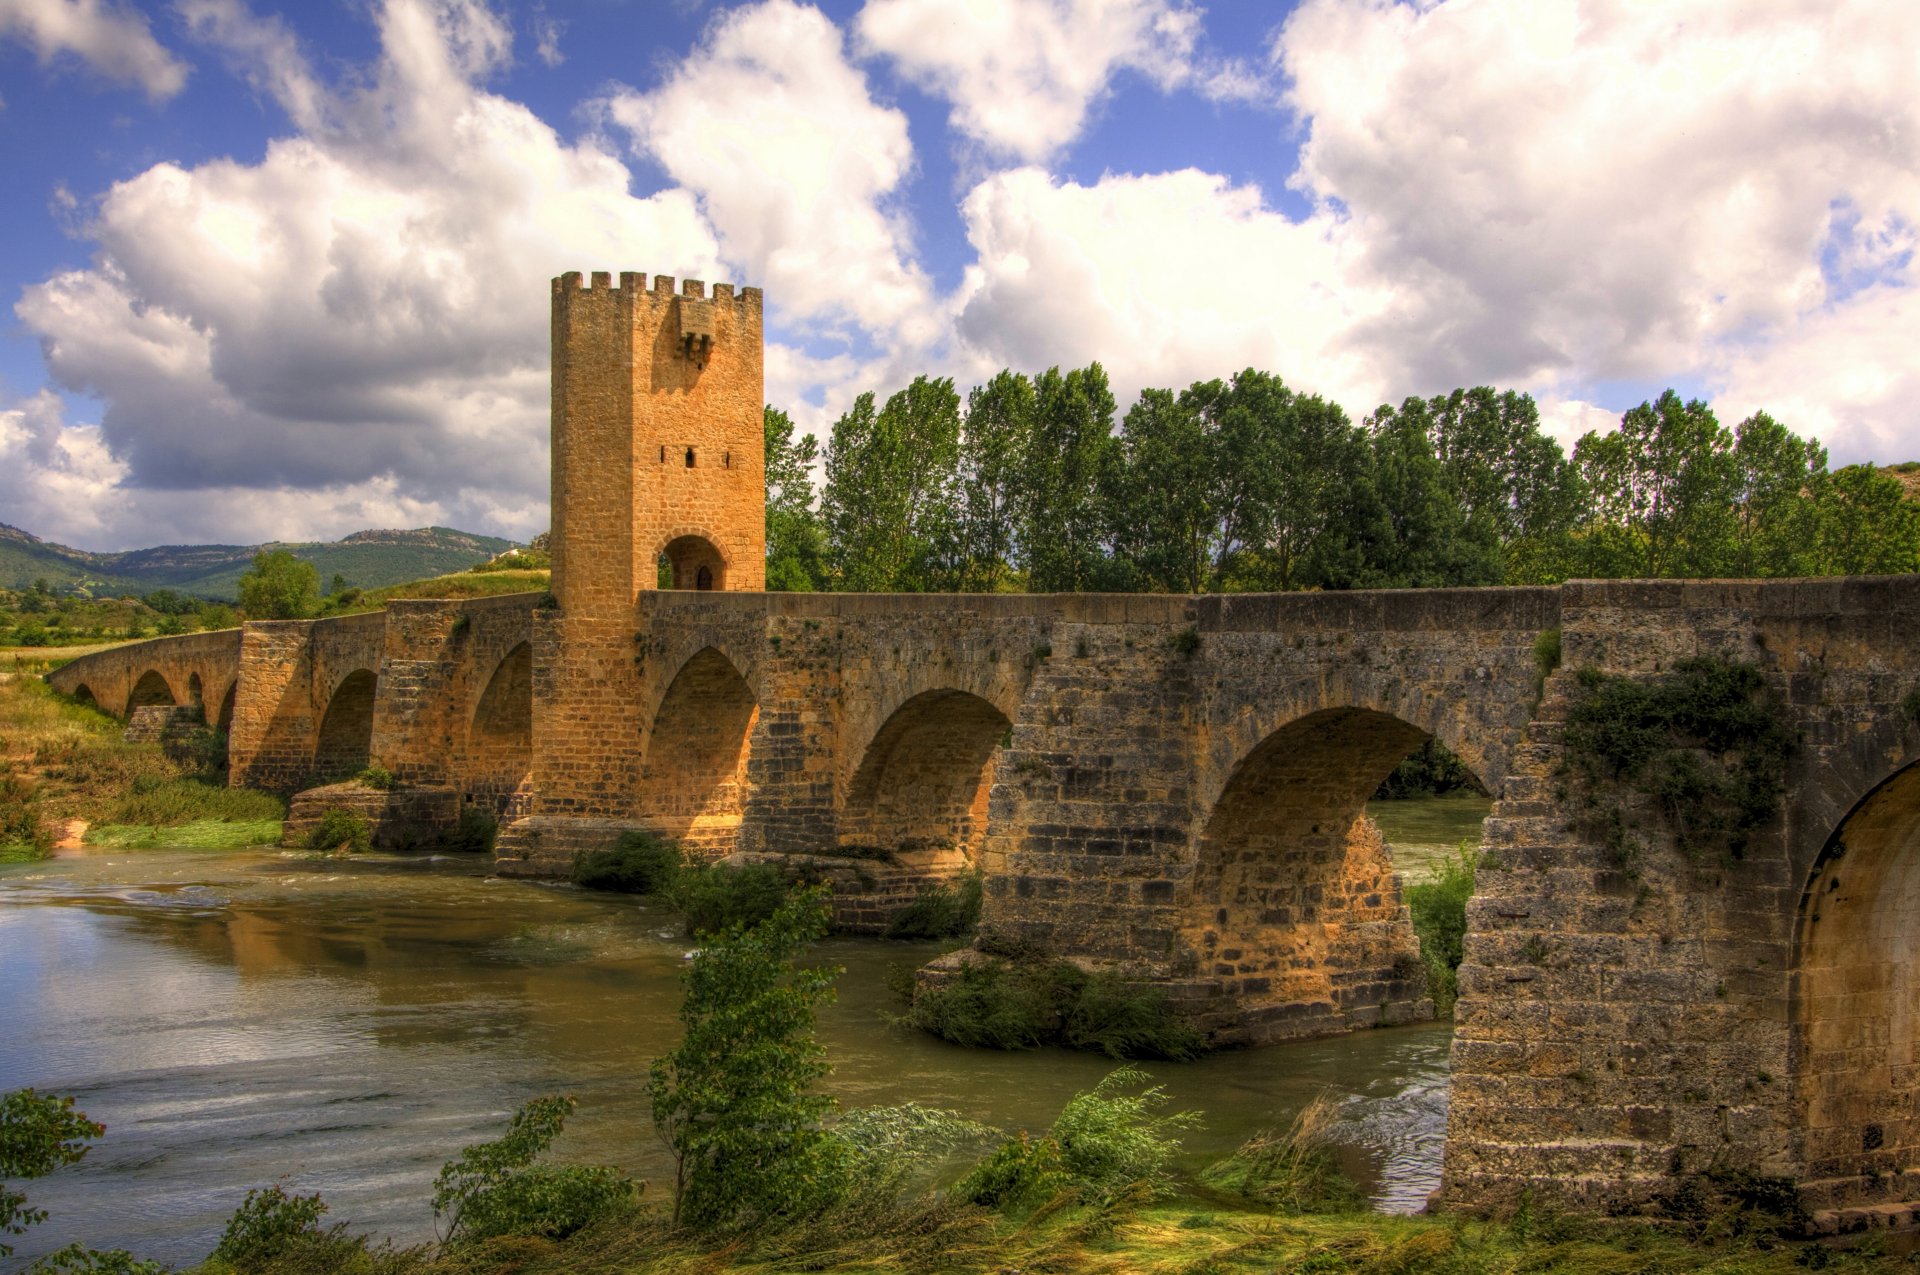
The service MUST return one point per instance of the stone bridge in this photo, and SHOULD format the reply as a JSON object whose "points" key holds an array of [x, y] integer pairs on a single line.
{"points": [[1174, 787]]}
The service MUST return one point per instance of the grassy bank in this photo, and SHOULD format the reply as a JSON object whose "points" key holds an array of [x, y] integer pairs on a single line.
{"points": [[62, 761]]}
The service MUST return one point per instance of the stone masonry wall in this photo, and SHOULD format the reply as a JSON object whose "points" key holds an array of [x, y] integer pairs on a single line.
{"points": [[108, 677]]}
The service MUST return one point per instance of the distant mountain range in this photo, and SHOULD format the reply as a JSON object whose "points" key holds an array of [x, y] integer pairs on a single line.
{"points": [[368, 560]]}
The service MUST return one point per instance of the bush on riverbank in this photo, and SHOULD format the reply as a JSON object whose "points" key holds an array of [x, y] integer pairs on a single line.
{"points": [[944, 910], [638, 863], [994, 1003], [1439, 908]]}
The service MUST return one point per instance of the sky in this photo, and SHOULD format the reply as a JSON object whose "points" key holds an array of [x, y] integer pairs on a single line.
{"points": [[280, 271]]}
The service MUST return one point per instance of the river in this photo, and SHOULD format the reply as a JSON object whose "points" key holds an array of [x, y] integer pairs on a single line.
{"points": [[346, 1026]]}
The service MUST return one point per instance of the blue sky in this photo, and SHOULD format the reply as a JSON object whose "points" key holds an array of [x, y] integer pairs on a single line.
{"points": [[279, 270]]}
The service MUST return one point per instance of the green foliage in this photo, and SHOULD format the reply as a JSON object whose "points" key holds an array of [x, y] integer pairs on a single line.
{"points": [[796, 538], [279, 586], [38, 1134], [1186, 642], [1707, 742], [78, 1259], [495, 1188], [156, 801], [885, 501], [268, 1225], [376, 777], [1546, 653], [1431, 771], [472, 833], [732, 1101], [1106, 1142], [1295, 1172], [1023, 1004], [716, 897], [1439, 909], [340, 830], [24, 835], [943, 910], [638, 863]]}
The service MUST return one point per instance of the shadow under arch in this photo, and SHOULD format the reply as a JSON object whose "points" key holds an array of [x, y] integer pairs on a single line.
{"points": [[344, 745], [504, 714], [196, 693], [150, 690], [693, 777], [924, 780], [224, 723], [1856, 1001], [83, 694], [1293, 919]]}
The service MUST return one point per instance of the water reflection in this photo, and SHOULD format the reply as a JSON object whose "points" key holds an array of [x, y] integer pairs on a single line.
{"points": [[236, 1019]]}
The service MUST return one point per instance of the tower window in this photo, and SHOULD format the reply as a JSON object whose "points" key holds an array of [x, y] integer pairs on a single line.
{"points": [[689, 458], [726, 461], [663, 453]]}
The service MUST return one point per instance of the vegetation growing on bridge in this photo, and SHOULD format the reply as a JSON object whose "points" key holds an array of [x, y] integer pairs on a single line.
{"points": [[1706, 743], [1030, 1000]]}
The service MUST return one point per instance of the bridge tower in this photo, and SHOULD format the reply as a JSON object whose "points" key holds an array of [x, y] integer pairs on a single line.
{"points": [[658, 444]]}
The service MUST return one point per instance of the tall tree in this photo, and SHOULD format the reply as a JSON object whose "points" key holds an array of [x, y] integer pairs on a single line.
{"points": [[1308, 529], [1157, 496], [796, 541], [1781, 476], [993, 454], [279, 586], [888, 479], [1060, 523], [1663, 487], [1425, 535], [1866, 525]]}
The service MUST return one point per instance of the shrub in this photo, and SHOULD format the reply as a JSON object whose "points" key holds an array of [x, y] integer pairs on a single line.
{"points": [[732, 1100], [1293, 1172], [1028, 1002], [1434, 770], [38, 1134], [716, 897], [944, 910], [23, 834], [1439, 909], [1106, 1143], [495, 1188], [378, 778], [1706, 742], [270, 1224], [340, 829], [472, 833], [638, 863]]}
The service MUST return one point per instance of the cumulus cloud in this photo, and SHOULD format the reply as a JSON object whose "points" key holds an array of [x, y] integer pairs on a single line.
{"points": [[1165, 279], [1021, 76], [115, 41], [360, 315], [795, 164], [1602, 190]]}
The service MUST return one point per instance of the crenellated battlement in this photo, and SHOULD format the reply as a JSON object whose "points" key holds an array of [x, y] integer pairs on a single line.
{"points": [[634, 283]]}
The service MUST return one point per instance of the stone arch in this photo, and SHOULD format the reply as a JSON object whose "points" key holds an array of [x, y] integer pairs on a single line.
{"points": [[693, 775], [924, 779], [151, 689], [196, 693], [225, 720], [1856, 999], [344, 745], [689, 558], [504, 714], [1293, 914], [83, 694]]}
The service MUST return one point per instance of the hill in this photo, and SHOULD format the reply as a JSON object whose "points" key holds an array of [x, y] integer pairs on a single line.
{"points": [[367, 559]]}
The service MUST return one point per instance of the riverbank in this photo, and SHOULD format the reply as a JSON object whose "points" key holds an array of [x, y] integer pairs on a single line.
{"points": [[64, 764]]}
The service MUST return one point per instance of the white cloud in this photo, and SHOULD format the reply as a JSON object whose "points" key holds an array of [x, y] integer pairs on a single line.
{"points": [[1598, 191], [547, 31], [114, 40], [1847, 374], [1022, 75], [360, 315], [1165, 279], [794, 164]]}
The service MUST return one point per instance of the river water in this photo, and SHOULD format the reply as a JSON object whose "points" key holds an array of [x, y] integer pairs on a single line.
{"points": [[346, 1026]]}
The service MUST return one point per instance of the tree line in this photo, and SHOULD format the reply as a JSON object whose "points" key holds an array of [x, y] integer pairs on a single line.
{"points": [[1033, 485]]}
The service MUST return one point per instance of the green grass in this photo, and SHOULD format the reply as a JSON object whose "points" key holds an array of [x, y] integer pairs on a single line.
{"points": [[200, 834]]}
